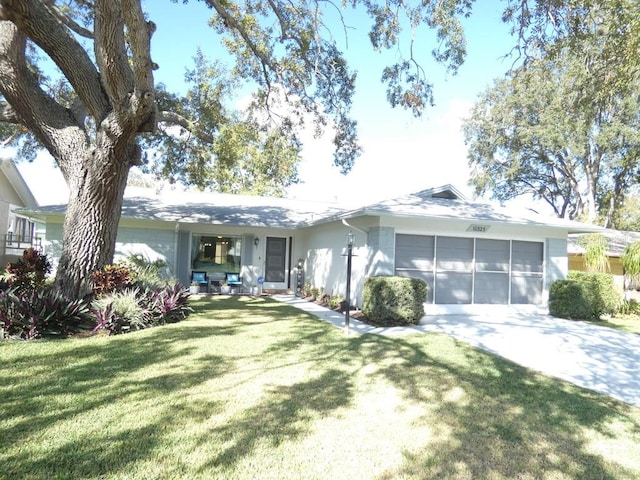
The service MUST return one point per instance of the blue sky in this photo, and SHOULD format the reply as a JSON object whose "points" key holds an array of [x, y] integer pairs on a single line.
{"points": [[401, 154]]}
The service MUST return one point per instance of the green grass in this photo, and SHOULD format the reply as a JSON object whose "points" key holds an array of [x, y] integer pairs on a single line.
{"points": [[625, 322], [251, 388]]}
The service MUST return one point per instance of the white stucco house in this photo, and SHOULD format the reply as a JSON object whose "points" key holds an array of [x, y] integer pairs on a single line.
{"points": [[471, 255], [17, 231]]}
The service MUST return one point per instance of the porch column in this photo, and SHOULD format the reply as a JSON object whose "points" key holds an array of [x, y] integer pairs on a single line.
{"points": [[382, 244]]}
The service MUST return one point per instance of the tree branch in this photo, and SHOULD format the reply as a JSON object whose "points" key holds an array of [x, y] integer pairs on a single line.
{"points": [[110, 49], [31, 105], [73, 26], [232, 23], [176, 119], [139, 34], [37, 21]]}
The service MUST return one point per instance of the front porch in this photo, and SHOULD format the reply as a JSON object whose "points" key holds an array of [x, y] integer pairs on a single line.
{"points": [[13, 246]]}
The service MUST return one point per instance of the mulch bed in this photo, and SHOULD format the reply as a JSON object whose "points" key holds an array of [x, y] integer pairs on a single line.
{"points": [[355, 313]]}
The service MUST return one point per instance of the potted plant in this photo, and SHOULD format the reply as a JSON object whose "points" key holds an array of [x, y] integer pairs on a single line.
{"points": [[194, 288], [224, 288]]}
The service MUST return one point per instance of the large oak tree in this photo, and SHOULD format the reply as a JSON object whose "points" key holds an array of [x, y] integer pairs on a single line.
{"points": [[96, 119], [564, 126], [547, 131]]}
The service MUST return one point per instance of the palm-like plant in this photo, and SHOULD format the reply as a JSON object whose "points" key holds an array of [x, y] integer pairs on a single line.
{"points": [[595, 252], [630, 259]]}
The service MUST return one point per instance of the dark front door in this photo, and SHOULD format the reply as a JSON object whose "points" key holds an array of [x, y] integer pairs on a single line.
{"points": [[276, 248]]}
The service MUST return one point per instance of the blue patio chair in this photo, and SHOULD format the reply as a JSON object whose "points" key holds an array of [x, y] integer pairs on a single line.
{"points": [[234, 280], [201, 279]]}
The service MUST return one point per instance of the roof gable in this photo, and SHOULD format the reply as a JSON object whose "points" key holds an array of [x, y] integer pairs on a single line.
{"points": [[448, 192], [17, 183], [446, 203]]}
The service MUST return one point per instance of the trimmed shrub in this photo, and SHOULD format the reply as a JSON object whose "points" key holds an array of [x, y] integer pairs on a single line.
{"points": [[388, 301], [601, 291], [568, 299], [584, 296]]}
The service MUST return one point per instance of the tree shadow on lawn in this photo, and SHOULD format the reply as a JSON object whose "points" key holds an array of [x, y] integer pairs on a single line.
{"points": [[491, 418], [496, 419], [99, 373], [284, 415], [488, 417], [95, 374]]}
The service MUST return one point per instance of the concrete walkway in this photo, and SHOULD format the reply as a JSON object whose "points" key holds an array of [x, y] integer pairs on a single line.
{"points": [[598, 358]]}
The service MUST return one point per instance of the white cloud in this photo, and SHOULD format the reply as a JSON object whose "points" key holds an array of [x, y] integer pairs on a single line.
{"points": [[411, 157]]}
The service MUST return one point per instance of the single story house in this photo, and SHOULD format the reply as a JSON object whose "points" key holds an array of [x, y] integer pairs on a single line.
{"points": [[471, 255], [17, 231], [617, 241]]}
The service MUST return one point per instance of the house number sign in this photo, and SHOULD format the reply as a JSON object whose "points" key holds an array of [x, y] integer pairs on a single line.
{"points": [[478, 228]]}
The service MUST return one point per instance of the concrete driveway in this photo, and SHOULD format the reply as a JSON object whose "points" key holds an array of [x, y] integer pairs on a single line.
{"points": [[598, 358]]}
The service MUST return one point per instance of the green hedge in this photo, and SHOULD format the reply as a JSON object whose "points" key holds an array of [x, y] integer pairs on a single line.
{"points": [[389, 301], [584, 295], [568, 299]]}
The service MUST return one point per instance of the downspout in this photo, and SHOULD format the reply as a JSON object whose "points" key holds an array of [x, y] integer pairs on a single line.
{"points": [[290, 256], [175, 249], [366, 232]]}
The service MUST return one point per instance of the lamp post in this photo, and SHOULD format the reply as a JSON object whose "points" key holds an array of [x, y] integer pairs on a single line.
{"points": [[350, 239]]}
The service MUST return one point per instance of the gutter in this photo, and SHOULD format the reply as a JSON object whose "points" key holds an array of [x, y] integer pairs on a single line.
{"points": [[344, 222]]}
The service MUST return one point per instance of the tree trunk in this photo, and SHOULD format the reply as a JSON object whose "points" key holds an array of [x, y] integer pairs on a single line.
{"points": [[91, 221], [117, 97]]}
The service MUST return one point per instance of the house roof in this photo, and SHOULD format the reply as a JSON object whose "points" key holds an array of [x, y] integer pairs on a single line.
{"points": [[9, 169], [617, 240], [446, 205], [240, 210], [213, 208]]}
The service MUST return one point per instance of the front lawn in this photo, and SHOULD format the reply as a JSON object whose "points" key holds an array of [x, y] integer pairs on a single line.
{"points": [[252, 388], [625, 322]]}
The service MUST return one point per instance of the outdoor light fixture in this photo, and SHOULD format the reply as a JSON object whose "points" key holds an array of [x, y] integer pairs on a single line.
{"points": [[256, 241], [350, 239]]}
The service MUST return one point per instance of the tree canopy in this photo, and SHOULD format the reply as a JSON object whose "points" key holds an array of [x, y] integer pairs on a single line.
{"points": [[104, 111], [545, 131], [564, 126]]}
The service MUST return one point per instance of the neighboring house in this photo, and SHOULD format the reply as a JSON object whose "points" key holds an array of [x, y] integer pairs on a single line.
{"points": [[617, 240], [17, 232], [470, 254]]}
